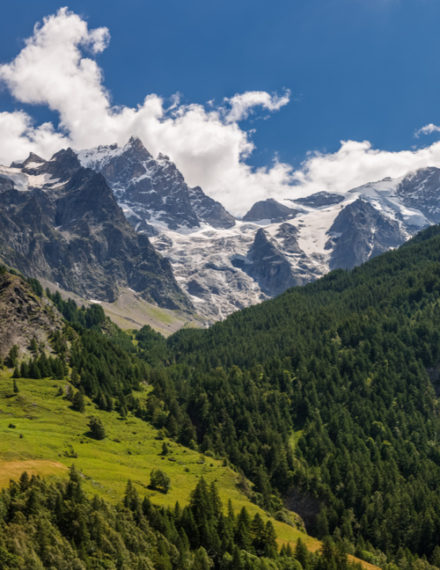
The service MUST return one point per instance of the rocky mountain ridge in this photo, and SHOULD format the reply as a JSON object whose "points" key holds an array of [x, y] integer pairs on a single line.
{"points": [[152, 192], [220, 262], [225, 264], [60, 222]]}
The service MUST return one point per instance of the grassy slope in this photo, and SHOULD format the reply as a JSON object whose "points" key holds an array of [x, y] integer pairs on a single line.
{"points": [[130, 311], [51, 431]]}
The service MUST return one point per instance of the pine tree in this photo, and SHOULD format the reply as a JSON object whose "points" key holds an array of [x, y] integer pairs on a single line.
{"points": [[33, 345], [242, 530], [301, 553], [78, 402], [131, 497], [11, 359], [270, 546], [201, 560], [159, 481], [97, 430], [24, 370]]}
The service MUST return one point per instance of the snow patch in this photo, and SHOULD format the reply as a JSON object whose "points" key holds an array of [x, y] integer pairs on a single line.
{"points": [[98, 157]]}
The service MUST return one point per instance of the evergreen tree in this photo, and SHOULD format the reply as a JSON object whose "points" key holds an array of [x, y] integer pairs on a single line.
{"points": [[11, 359], [78, 402], [159, 481], [96, 427]]}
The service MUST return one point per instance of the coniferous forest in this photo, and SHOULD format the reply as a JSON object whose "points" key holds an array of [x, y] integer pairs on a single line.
{"points": [[325, 398], [57, 526]]}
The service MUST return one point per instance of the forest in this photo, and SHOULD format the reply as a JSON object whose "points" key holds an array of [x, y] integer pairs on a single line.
{"points": [[47, 525], [326, 398]]}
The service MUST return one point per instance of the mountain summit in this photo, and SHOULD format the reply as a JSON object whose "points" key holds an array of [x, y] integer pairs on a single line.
{"points": [[152, 191], [65, 220]]}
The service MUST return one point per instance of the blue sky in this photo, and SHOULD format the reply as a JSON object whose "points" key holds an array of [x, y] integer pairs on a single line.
{"points": [[355, 69]]}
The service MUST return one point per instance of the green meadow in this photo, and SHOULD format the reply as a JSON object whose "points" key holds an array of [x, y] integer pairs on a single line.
{"points": [[41, 434]]}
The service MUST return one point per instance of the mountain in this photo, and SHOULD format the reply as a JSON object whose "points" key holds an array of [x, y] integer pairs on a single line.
{"points": [[69, 480], [268, 266], [213, 255], [153, 191], [315, 234], [60, 222], [218, 261], [320, 199], [326, 398], [270, 210], [359, 232]]}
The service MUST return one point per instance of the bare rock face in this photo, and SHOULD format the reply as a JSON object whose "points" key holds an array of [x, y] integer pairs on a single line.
{"points": [[70, 230], [420, 190], [361, 232], [223, 263], [320, 200], [24, 316], [269, 210], [208, 210], [287, 236], [268, 266]]}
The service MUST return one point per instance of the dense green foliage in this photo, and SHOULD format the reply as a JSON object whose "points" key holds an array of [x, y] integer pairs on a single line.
{"points": [[351, 365], [86, 317], [55, 525], [97, 430], [159, 480], [101, 357], [326, 397]]}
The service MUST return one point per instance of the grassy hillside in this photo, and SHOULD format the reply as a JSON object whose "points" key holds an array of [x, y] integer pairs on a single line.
{"points": [[40, 433]]}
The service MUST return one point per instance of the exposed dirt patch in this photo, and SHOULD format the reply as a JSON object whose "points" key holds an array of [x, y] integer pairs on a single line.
{"points": [[13, 469]]}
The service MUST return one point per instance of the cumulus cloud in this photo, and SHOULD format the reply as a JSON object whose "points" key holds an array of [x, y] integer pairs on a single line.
{"points": [[209, 145], [19, 137], [356, 163], [51, 70]]}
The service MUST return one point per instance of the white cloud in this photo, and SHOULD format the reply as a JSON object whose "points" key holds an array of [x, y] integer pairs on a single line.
{"points": [[51, 70], [428, 130], [357, 163], [18, 137], [241, 104], [55, 68]]}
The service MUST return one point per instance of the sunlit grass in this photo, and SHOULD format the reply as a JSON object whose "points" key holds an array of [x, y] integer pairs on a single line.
{"points": [[40, 433]]}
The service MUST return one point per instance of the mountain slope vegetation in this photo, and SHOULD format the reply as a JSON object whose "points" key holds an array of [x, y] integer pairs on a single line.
{"points": [[325, 398], [46, 426], [328, 395]]}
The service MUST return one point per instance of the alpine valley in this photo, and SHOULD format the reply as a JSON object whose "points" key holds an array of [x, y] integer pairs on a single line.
{"points": [[301, 433], [298, 433], [219, 285]]}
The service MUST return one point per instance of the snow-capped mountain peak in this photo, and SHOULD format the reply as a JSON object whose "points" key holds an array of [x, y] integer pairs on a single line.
{"points": [[225, 264], [152, 191]]}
